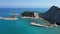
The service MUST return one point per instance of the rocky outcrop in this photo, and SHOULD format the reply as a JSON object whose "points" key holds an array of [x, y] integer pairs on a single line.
{"points": [[27, 14], [52, 15]]}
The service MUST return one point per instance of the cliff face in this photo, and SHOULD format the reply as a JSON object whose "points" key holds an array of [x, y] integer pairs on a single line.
{"points": [[52, 15]]}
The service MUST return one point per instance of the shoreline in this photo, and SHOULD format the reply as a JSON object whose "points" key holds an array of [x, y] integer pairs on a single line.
{"points": [[26, 17], [40, 25]]}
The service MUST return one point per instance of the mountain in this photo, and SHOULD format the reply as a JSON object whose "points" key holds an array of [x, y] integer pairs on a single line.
{"points": [[52, 15]]}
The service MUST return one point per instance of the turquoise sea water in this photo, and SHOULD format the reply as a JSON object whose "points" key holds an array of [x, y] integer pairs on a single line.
{"points": [[22, 26]]}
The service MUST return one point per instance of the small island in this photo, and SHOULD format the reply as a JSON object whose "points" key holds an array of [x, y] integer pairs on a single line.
{"points": [[11, 17], [52, 16]]}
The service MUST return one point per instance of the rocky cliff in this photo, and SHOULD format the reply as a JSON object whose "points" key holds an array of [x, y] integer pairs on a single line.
{"points": [[52, 15]]}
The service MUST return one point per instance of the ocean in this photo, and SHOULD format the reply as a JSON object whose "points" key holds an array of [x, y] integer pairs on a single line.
{"points": [[22, 26]]}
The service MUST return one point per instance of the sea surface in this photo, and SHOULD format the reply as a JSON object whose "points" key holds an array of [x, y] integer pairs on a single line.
{"points": [[22, 26]]}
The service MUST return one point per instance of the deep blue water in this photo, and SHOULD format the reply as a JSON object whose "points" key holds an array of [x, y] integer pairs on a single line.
{"points": [[7, 11], [22, 26]]}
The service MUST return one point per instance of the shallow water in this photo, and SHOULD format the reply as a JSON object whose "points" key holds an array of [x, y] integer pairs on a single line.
{"points": [[22, 26]]}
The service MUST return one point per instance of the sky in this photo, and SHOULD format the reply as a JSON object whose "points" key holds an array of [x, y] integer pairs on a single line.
{"points": [[29, 3]]}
